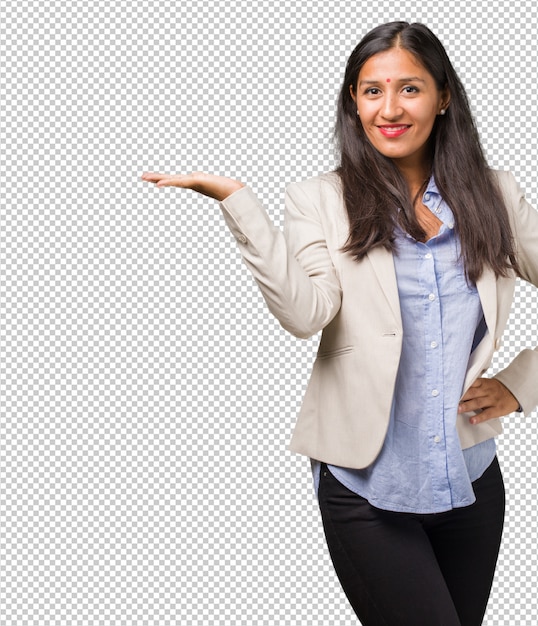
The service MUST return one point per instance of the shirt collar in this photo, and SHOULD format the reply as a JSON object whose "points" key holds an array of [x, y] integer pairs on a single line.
{"points": [[432, 187], [433, 200]]}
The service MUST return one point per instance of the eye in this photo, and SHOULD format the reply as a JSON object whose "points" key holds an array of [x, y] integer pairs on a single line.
{"points": [[372, 91], [410, 89]]}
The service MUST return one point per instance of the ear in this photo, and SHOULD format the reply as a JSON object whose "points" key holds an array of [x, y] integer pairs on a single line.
{"points": [[445, 99], [352, 93]]}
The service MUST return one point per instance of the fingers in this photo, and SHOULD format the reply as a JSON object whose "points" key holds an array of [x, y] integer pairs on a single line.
{"points": [[167, 180], [475, 397], [485, 415], [152, 177], [217, 187], [172, 181], [490, 398]]}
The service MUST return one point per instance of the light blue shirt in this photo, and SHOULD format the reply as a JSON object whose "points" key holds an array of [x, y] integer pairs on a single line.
{"points": [[421, 467]]}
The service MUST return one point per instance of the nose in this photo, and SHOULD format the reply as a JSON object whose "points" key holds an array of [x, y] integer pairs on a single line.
{"points": [[391, 108]]}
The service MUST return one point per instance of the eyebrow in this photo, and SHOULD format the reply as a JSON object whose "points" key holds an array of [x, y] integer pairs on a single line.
{"points": [[409, 79]]}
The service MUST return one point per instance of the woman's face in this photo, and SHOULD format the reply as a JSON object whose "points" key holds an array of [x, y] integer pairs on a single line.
{"points": [[398, 101]]}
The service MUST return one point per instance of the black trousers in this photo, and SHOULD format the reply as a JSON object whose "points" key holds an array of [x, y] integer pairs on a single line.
{"points": [[405, 569]]}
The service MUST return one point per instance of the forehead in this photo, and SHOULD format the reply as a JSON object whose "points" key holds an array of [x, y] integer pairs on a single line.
{"points": [[393, 64]]}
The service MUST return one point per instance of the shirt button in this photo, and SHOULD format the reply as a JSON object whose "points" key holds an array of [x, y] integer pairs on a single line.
{"points": [[431, 297], [427, 197], [437, 439], [435, 393], [433, 344], [428, 255], [242, 238], [438, 209]]}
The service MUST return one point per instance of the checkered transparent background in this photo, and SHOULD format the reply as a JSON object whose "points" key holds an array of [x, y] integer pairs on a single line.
{"points": [[146, 395]]}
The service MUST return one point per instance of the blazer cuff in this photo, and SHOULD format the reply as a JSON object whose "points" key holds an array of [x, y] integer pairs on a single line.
{"points": [[520, 377]]}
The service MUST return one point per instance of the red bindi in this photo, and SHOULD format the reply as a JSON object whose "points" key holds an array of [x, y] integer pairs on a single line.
{"points": [[388, 80]]}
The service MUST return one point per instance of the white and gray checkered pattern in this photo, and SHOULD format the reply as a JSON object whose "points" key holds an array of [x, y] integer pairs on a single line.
{"points": [[146, 395]]}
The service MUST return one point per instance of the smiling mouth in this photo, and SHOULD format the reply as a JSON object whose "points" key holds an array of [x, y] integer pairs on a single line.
{"points": [[394, 131]]}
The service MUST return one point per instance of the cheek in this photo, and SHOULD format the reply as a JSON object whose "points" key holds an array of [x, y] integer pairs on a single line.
{"points": [[426, 117], [367, 114]]}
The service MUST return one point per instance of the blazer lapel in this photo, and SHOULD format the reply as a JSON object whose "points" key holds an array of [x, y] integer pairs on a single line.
{"points": [[487, 290], [479, 360], [383, 264]]}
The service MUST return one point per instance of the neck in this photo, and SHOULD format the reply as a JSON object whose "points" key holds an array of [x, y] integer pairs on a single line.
{"points": [[416, 177], [416, 169]]}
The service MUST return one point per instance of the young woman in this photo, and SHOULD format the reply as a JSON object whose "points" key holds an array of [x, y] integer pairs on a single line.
{"points": [[406, 258]]}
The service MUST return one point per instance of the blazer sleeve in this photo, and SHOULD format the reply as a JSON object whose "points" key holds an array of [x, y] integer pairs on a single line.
{"points": [[521, 376], [293, 268]]}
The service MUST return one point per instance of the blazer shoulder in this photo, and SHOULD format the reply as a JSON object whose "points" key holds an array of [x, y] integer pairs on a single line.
{"points": [[513, 196], [328, 181], [320, 193], [507, 182]]}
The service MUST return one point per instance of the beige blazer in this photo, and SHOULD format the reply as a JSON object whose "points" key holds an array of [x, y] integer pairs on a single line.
{"points": [[310, 285]]}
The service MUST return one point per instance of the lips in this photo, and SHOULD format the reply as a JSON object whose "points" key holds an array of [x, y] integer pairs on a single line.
{"points": [[394, 130]]}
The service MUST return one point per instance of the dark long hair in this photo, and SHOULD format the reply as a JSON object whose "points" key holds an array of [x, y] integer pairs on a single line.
{"points": [[375, 190]]}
